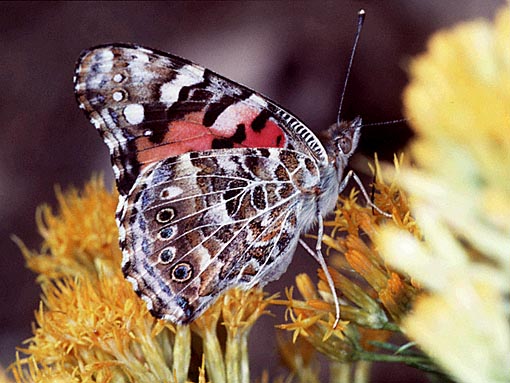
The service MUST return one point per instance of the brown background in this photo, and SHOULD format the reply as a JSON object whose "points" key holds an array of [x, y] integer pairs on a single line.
{"points": [[294, 52]]}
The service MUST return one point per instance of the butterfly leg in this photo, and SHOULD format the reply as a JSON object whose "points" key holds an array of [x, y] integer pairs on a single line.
{"points": [[317, 254], [354, 176]]}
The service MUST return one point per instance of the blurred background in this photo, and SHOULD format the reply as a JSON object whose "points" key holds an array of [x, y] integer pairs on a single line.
{"points": [[296, 53]]}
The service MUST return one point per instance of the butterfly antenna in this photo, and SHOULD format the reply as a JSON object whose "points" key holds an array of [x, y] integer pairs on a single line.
{"points": [[361, 20], [387, 122]]}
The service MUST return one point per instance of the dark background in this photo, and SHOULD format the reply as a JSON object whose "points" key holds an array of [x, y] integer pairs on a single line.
{"points": [[294, 52]]}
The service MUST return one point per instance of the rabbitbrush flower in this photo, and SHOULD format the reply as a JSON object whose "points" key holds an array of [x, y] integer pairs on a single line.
{"points": [[458, 103]]}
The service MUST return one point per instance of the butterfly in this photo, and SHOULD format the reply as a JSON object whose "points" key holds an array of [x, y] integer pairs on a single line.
{"points": [[216, 182]]}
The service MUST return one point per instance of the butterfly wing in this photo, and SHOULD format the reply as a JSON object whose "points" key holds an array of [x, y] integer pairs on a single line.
{"points": [[199, 223], [150, 105], [200, 210]]}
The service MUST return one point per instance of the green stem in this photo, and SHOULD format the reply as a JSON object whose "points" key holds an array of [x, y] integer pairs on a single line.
{"points": [[182, 353], [233, 359], [339, 372], [245, 363], [362, 372], [214, 362], [392, 327], [157, 352]]}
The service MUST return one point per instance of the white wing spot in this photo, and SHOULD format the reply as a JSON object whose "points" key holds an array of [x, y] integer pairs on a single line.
{"points": [[144, 50], [196, 70], [169, 91], [79, 86], [107, 54], [105, 59], [134, 113], [116, 171], [147, 301], [258, 100], [140, 56], [118, 77], [96, 122], [117, 96], [170, 192], [134, 282]]}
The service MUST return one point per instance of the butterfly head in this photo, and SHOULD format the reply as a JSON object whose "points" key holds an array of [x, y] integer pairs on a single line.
{"points": [[341, 141]]}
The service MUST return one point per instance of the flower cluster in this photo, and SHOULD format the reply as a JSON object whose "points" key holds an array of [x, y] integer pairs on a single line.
{"points": [[374, 297]]}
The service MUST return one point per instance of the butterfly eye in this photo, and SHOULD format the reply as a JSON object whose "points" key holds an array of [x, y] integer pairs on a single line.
{"points": [[182, 272], [165, 215], [344, 144], [166, 255]]}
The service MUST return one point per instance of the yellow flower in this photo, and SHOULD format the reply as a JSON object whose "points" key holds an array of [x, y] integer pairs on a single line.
{"points": [[459, 105], [374, 297], [80, 239]]}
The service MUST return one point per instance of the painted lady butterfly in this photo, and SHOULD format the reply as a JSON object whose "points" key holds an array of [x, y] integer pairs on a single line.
{"points": [[216, 182]]}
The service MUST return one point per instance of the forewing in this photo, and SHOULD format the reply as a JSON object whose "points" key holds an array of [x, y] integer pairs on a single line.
{"points": [[199, 223], [150, 105]]}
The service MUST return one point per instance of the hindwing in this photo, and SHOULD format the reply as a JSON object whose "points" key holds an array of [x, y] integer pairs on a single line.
{"points": [[199, 223]]}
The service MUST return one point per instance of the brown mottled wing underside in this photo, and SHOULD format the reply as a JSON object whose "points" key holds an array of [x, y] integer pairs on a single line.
{"points": [[199, 223]]}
